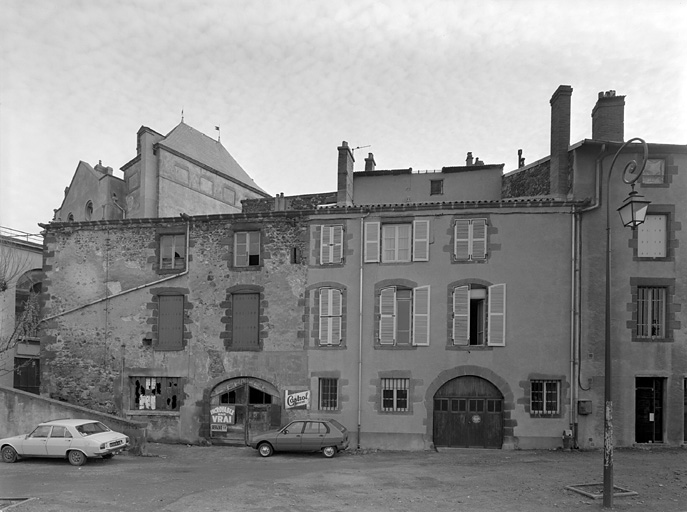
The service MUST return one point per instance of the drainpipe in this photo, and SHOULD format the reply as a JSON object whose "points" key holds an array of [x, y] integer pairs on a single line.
{"points": [[360, 323], [576, 330]]}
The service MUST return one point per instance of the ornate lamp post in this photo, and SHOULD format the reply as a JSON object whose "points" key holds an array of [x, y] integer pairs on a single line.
{"points": [[632, 213]]}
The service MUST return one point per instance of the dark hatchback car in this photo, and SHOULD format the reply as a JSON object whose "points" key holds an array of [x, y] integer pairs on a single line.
{"points": [[327, 436]]}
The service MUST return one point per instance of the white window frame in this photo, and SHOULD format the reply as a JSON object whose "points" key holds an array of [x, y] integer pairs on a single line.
{"points": [[496, 316], [395, 385], [470, 239], [382, 242], [545, 391], [331, 244], [242, 248], [652, 236], [178, 242], [420, 316], [331, 312]]}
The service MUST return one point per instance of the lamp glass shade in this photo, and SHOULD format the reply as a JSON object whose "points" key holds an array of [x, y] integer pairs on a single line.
{"points": [[633, 211]]}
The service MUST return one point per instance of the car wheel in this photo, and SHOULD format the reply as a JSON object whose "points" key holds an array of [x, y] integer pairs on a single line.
{"points": [[76, 458], [9, 454], [108, 456], [265, 450], [329, 451]]}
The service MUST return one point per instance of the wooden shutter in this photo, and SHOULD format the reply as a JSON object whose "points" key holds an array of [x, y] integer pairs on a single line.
{"points": [[421, 315], [479, 239], [497, 315], [387, 316], [245, 320], [651, 237], [330, 316], [325, 244], [241, 249], [461, 315], [170, 328], [421, 240], [337, 244], [371, 242], [461, 240]]}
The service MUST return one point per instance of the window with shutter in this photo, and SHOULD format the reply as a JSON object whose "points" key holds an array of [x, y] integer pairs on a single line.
{"points": [[394, 394], [247, 248], [330, 316], [470, 239], [654, 172], [331, 244], [404, 316], [478, 315], [170, 327], [651, 237], [245, 320], [400, 243]]}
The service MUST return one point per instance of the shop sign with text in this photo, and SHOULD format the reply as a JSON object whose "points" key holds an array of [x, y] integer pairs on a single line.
{"points": [[297, 399], [222, 416]]}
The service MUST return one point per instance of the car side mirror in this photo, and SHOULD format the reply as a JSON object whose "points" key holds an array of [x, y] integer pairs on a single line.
{"points": [[285, 431]]}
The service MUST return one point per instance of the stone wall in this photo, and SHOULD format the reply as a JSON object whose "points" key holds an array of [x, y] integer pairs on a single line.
{"points": [[528, 182]]}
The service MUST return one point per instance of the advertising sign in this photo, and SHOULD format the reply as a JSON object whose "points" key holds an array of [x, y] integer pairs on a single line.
{"points": [[222, 416], [297, 399]]}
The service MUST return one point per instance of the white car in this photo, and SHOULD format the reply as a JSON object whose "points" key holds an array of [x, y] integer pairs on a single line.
{"points": [[75, 440]]}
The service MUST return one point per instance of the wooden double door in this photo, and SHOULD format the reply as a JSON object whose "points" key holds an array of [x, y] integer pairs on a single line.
{"points": [[243, 407], [468, 413]]}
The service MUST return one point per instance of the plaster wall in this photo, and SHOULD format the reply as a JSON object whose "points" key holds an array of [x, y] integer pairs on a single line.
{"points": [[631, 358], [400, 187]]}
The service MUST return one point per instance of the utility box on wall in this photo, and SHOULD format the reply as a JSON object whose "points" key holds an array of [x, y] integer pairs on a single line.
{"points": [[584, 407]]}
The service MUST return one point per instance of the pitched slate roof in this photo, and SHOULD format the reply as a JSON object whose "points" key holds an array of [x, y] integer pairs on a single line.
{"points": [[197, 146]]}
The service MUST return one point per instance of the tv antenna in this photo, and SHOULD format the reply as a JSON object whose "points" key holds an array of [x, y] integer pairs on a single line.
{"points": [[361, 147]]}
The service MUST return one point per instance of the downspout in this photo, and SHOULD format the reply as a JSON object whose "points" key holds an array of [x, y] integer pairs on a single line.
{"points": [[360, 324], [576, 331]]}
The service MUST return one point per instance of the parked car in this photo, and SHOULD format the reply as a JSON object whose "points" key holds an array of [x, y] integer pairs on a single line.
{"points": [[327, 436], [73, 439]]}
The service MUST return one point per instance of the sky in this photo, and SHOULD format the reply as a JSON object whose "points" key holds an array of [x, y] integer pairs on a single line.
{"points": [[416, 83]]}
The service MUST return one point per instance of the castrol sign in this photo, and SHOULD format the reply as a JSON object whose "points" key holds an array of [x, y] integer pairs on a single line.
{"points": [[297, 399]]}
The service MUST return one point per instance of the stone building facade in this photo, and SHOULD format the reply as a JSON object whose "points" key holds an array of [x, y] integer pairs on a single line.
{"points": [[460, 307]]}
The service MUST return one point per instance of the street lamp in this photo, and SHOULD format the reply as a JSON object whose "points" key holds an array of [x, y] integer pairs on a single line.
{"points": [[632, 213]]}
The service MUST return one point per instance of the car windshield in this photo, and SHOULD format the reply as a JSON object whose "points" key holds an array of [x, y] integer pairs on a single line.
{"points": [[88, 429]]}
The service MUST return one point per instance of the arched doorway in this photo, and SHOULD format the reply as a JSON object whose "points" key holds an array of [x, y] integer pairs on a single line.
{"points": [[468, 413], [241, 407]]}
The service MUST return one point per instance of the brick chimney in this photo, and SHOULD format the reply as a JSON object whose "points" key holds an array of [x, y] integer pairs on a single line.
{"points": [[370, 163], [608, 117], [560, 139], [344, 195]]}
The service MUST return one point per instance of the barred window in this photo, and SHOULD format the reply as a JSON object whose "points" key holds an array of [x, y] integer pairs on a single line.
{"points": [[651, 316], [544, 396], [394, 395], [328, 394], [155, 393]]}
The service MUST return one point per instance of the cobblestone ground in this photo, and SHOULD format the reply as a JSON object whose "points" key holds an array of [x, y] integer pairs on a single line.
{"points": [[176, 478]]}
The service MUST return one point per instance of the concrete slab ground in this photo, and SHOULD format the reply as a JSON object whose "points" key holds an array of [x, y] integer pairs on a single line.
{"points": [[176, 478]]}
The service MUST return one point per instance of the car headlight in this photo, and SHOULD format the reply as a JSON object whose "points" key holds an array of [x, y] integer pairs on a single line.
{"points": [[102, 446]]}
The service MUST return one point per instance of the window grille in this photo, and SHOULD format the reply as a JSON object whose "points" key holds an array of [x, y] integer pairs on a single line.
{"points": [[395, 395], [328, 394], [650, 312]]}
